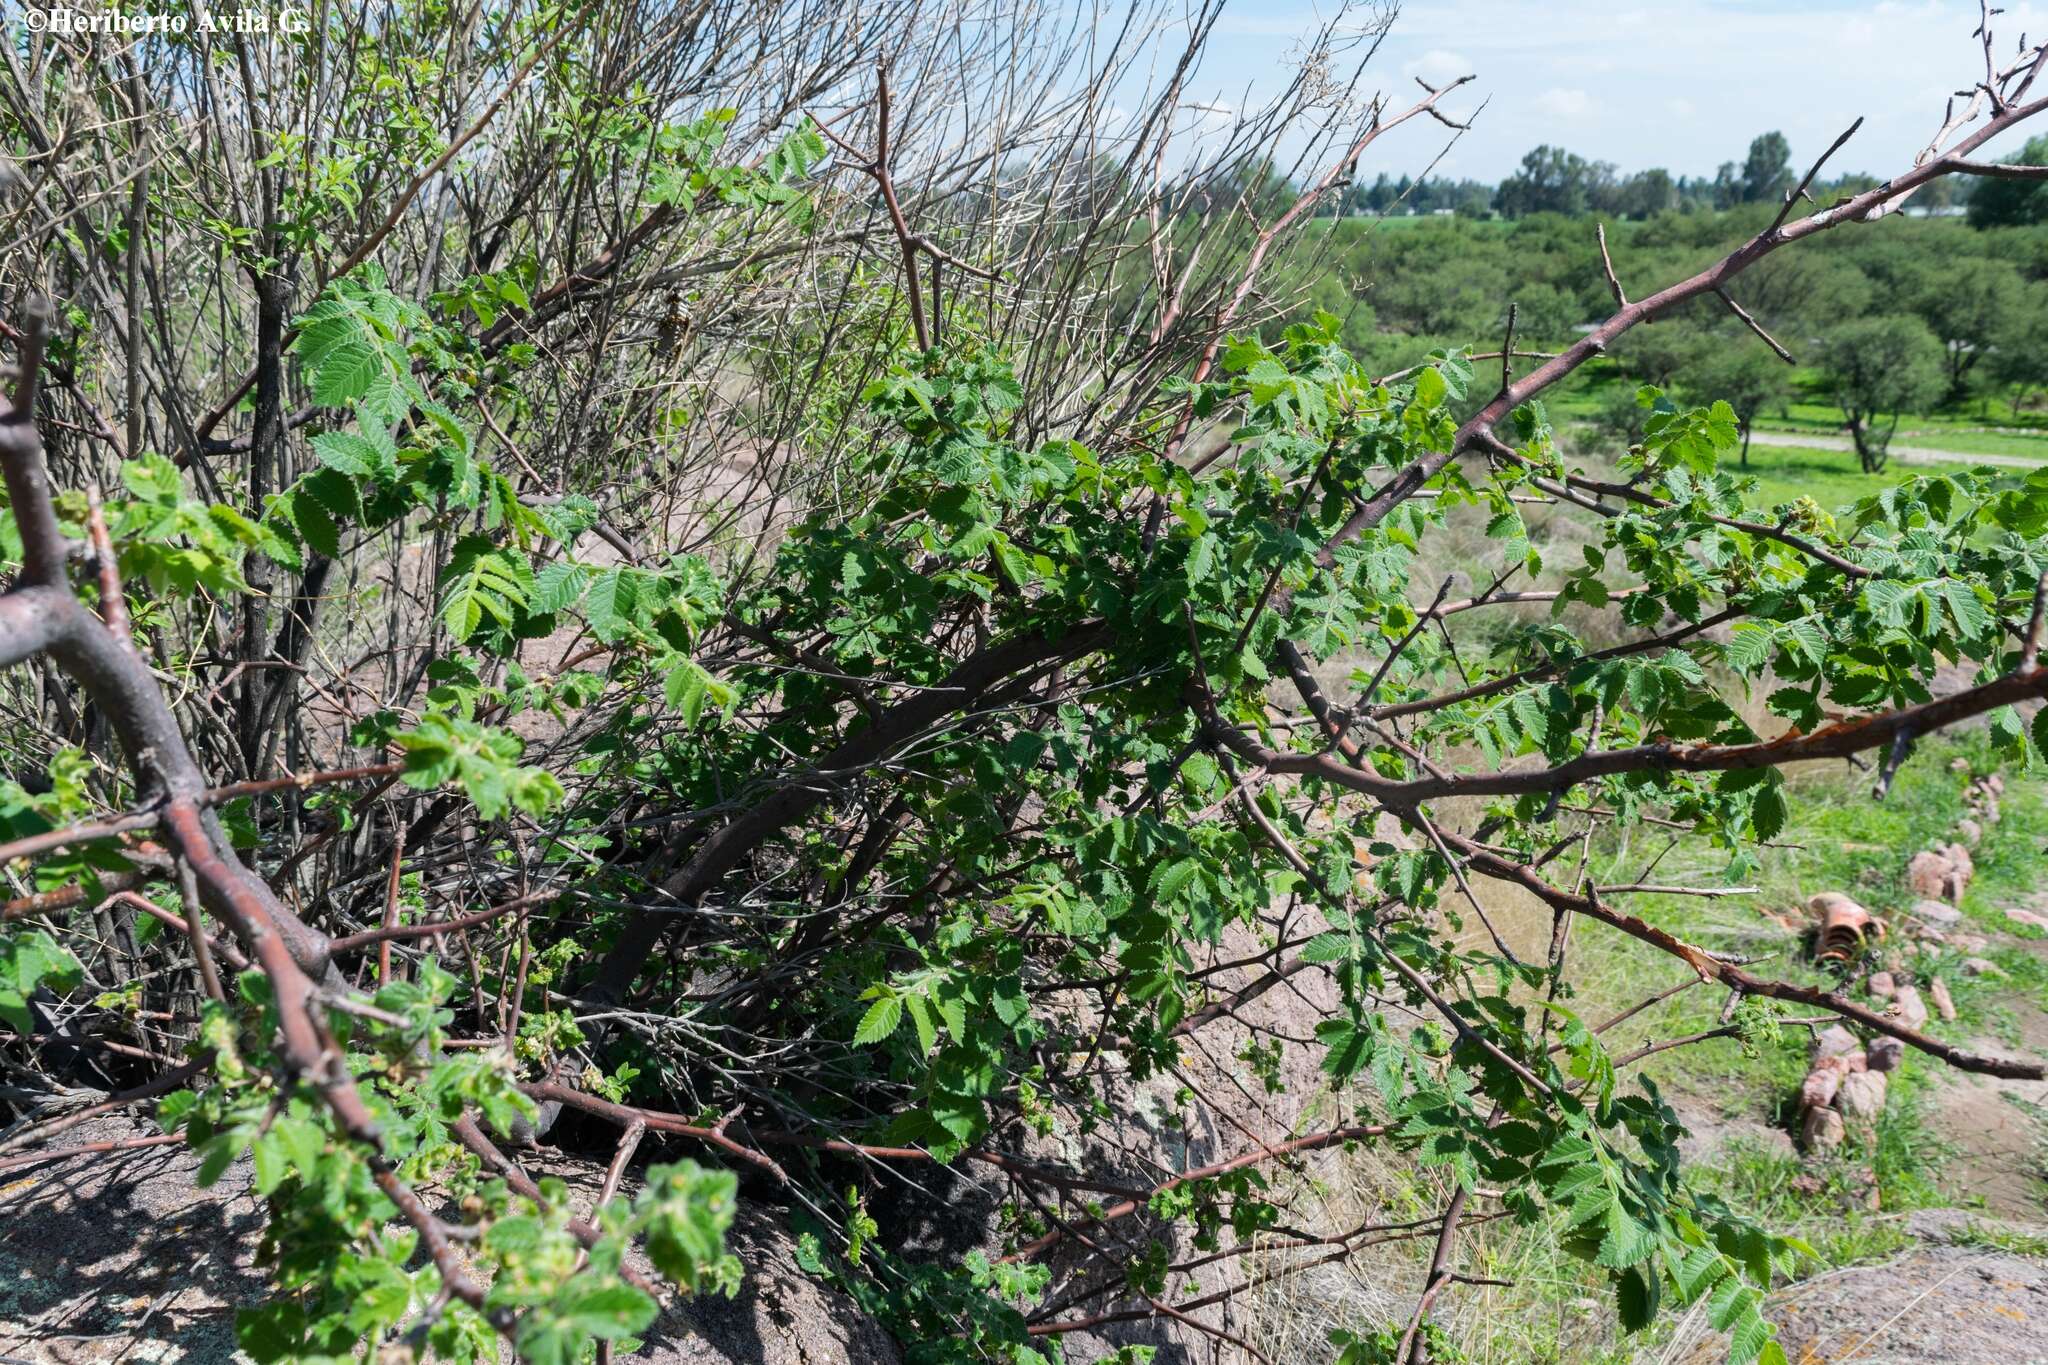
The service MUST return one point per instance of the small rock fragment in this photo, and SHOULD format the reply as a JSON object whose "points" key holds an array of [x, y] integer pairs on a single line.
{"points": [[1944, 1003], [1938, 913], [1861, 1098], [1969, 832], [1881, 985], [1885, 1054], [1959, 765], [2026, 917], [1981, 966], [1822, 1131]]}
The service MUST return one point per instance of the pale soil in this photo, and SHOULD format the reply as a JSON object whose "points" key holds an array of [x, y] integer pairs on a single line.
{"points": [[1904, 454]]}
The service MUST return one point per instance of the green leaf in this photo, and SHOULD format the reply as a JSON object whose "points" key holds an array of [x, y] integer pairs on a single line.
{"points": [[347, 452], [880, 1020], [1748, 1337], [1767, 816], [606, 1309], [1430, 387], [1635, 1297], [1170, 879], [483, 579], [28, 962], [1327, 947]]}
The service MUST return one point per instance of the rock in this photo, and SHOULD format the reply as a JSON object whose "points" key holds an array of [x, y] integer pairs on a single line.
{"points": [[1861, 1098], [1959, 765], [1981, 966], [1834, 1041], [1941, 873], [1938, 913], [1969, 832], [1881, 985], [1965, 872], [1989, 812], [1995, 783], [1944, 1003], [1885, 1054], [1817, 1091], [1929, 874], [1910, 1008], [2026, 917], [1968, 943], [1822, 1130]]}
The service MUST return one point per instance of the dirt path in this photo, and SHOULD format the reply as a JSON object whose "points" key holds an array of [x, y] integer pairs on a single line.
{"points": [[1935, 1304], [1903, 454]]}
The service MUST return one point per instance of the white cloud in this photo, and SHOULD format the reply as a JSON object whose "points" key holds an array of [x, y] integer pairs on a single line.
{"points": [[1438, 67], [1558, 102], [1683, 84]]}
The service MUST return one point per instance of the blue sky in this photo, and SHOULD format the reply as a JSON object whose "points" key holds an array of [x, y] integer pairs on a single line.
{"points": [[1682, 84]]}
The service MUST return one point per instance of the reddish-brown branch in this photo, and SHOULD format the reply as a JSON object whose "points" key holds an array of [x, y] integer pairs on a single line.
{"points": [[1834, 741], [349, 943], [113, 600], [1491, 864], [1310, 1142]]}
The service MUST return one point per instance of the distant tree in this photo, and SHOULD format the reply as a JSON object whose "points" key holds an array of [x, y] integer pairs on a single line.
{"points": [[1727, 187], [2013, 203], [1543, 312], [1967, 304], [1656, 355], [2017, 360], [1552, 180], [1745, 373], [1646, 194], [1856, 182], [1801, 296], [1877, 368], [1767, 170], [1373, 198], [1475, 200]]}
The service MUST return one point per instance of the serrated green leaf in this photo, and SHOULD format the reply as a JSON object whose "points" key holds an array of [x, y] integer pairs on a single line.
{"points": [[880, 1021]]}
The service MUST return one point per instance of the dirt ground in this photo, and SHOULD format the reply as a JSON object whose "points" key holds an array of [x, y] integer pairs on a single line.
{"points": [[1936, 1302], [125, 1259]]}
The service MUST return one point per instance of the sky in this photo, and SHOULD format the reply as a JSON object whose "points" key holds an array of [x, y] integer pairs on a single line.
{"points": [[1682, 84]]}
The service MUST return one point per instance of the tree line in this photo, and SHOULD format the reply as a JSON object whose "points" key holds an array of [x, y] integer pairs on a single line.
{"points": [[1920, 314], [1554, 179]]}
